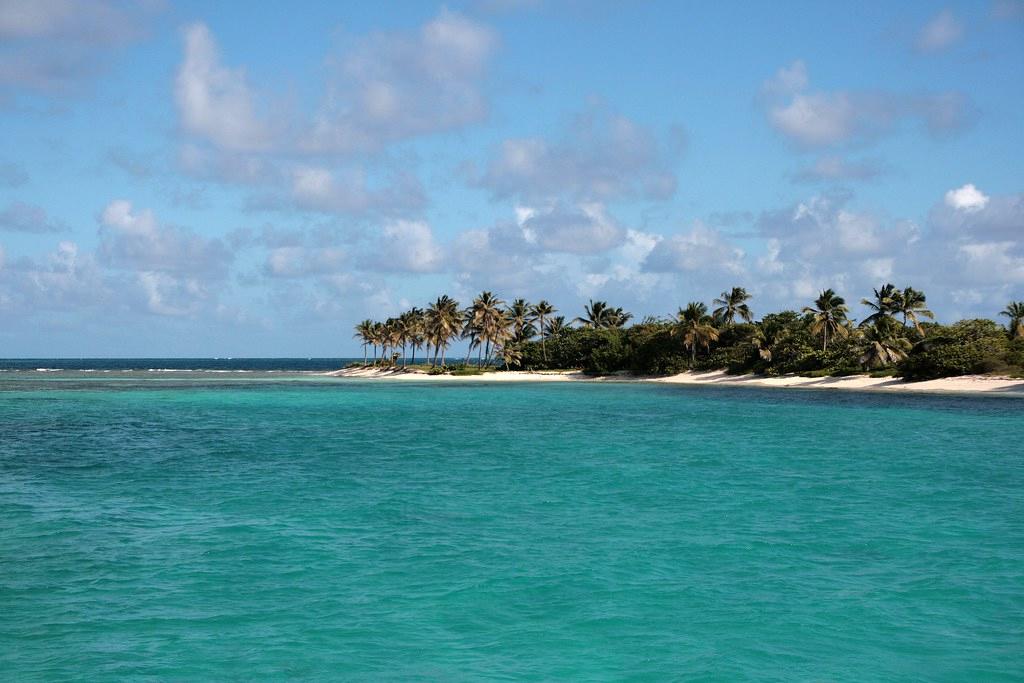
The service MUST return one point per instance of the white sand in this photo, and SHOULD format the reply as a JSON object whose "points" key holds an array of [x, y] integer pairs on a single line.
{"points": [[967, 384]]}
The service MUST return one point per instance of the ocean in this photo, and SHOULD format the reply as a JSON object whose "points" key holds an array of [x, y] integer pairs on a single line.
{"points": [[273, 523]]}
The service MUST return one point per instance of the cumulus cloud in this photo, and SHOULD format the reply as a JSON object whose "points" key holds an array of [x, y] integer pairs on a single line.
{"points": [[406, 246], [64, 280], [844, 117], [298, 261], [216, 102], [584, 229], [835, 168], [967, 213], [350, 191], [788, 80], [700, 249], [393, 86], [603, 156], [52, 47], [941, 31], [133, 239], [22, 217], [966, 198]]}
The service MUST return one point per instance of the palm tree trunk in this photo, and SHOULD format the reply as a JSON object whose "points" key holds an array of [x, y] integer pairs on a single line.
{"points": [[364, 354], [693, 354], [543, 349], [824, 344]]}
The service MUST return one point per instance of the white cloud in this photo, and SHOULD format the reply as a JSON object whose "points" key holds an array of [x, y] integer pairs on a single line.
{"points": [[941, 31], [303, 261], [603, 156], [216, 102], [585, 229], [702, 249], [966, 198], [993, 262], [134, 240], [53, 47], [830, 119], [393, 86], [833, 168], [171, 296], [407, 246], [22, 217], [788, 80]]}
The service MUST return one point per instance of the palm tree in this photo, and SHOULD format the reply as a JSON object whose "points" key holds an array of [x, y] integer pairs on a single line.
{"points": [[594, 314], [377, 338], [886, 344], [617, 317], [885, 305], [599, 315], [511, 355], [393, 336], [694, 324], [540, 313], [443, 324], [911, 304], [414, 330], [489, 320], [829, 316], [1015, 312], [471, 332], [731, 304], [556, 326], [364, 332], [520, 317]]}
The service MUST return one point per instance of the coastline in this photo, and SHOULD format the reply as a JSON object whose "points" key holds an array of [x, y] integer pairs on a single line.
{"points": [[967, 384]]}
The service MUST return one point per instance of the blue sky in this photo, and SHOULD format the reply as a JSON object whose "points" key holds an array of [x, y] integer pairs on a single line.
{"points": [[251, 179]]}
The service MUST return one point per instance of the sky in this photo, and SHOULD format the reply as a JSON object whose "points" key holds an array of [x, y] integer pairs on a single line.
{"points": [[252, 179]]}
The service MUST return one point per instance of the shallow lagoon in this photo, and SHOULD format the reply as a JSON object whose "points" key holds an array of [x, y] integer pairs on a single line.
{"points": [[204, 526]]}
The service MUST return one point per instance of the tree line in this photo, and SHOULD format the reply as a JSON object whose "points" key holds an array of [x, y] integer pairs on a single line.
{"points": [[899, 336]]}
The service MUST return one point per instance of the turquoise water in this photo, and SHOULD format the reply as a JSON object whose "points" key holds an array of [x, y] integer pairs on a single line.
{"points": [[228, 528]]}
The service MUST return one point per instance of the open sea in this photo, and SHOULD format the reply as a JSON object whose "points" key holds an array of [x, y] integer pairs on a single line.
{"points": [[253, 520]]}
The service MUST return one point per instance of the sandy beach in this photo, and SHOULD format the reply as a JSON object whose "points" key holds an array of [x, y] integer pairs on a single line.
{"points": [[965, 384]]}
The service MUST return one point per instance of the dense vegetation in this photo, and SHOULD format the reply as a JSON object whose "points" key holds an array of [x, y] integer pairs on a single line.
{"points": [[897, 338]]}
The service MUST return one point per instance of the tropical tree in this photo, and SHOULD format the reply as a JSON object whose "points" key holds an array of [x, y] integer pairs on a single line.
{"points": [[443, 323], [599, 315], [884, 305], [511, 355], [520, 318], [911, 305], [731, 304], [886, 344], [414, 330], [364, 332], [489, 320], [829, 317], [594, 315], [1015, 312], [696, 328], [617, 317], [540, 314], [471, 332], [556, 326]]}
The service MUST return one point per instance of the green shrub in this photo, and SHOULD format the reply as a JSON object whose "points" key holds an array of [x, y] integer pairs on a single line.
{"points": [[965, 348]]}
